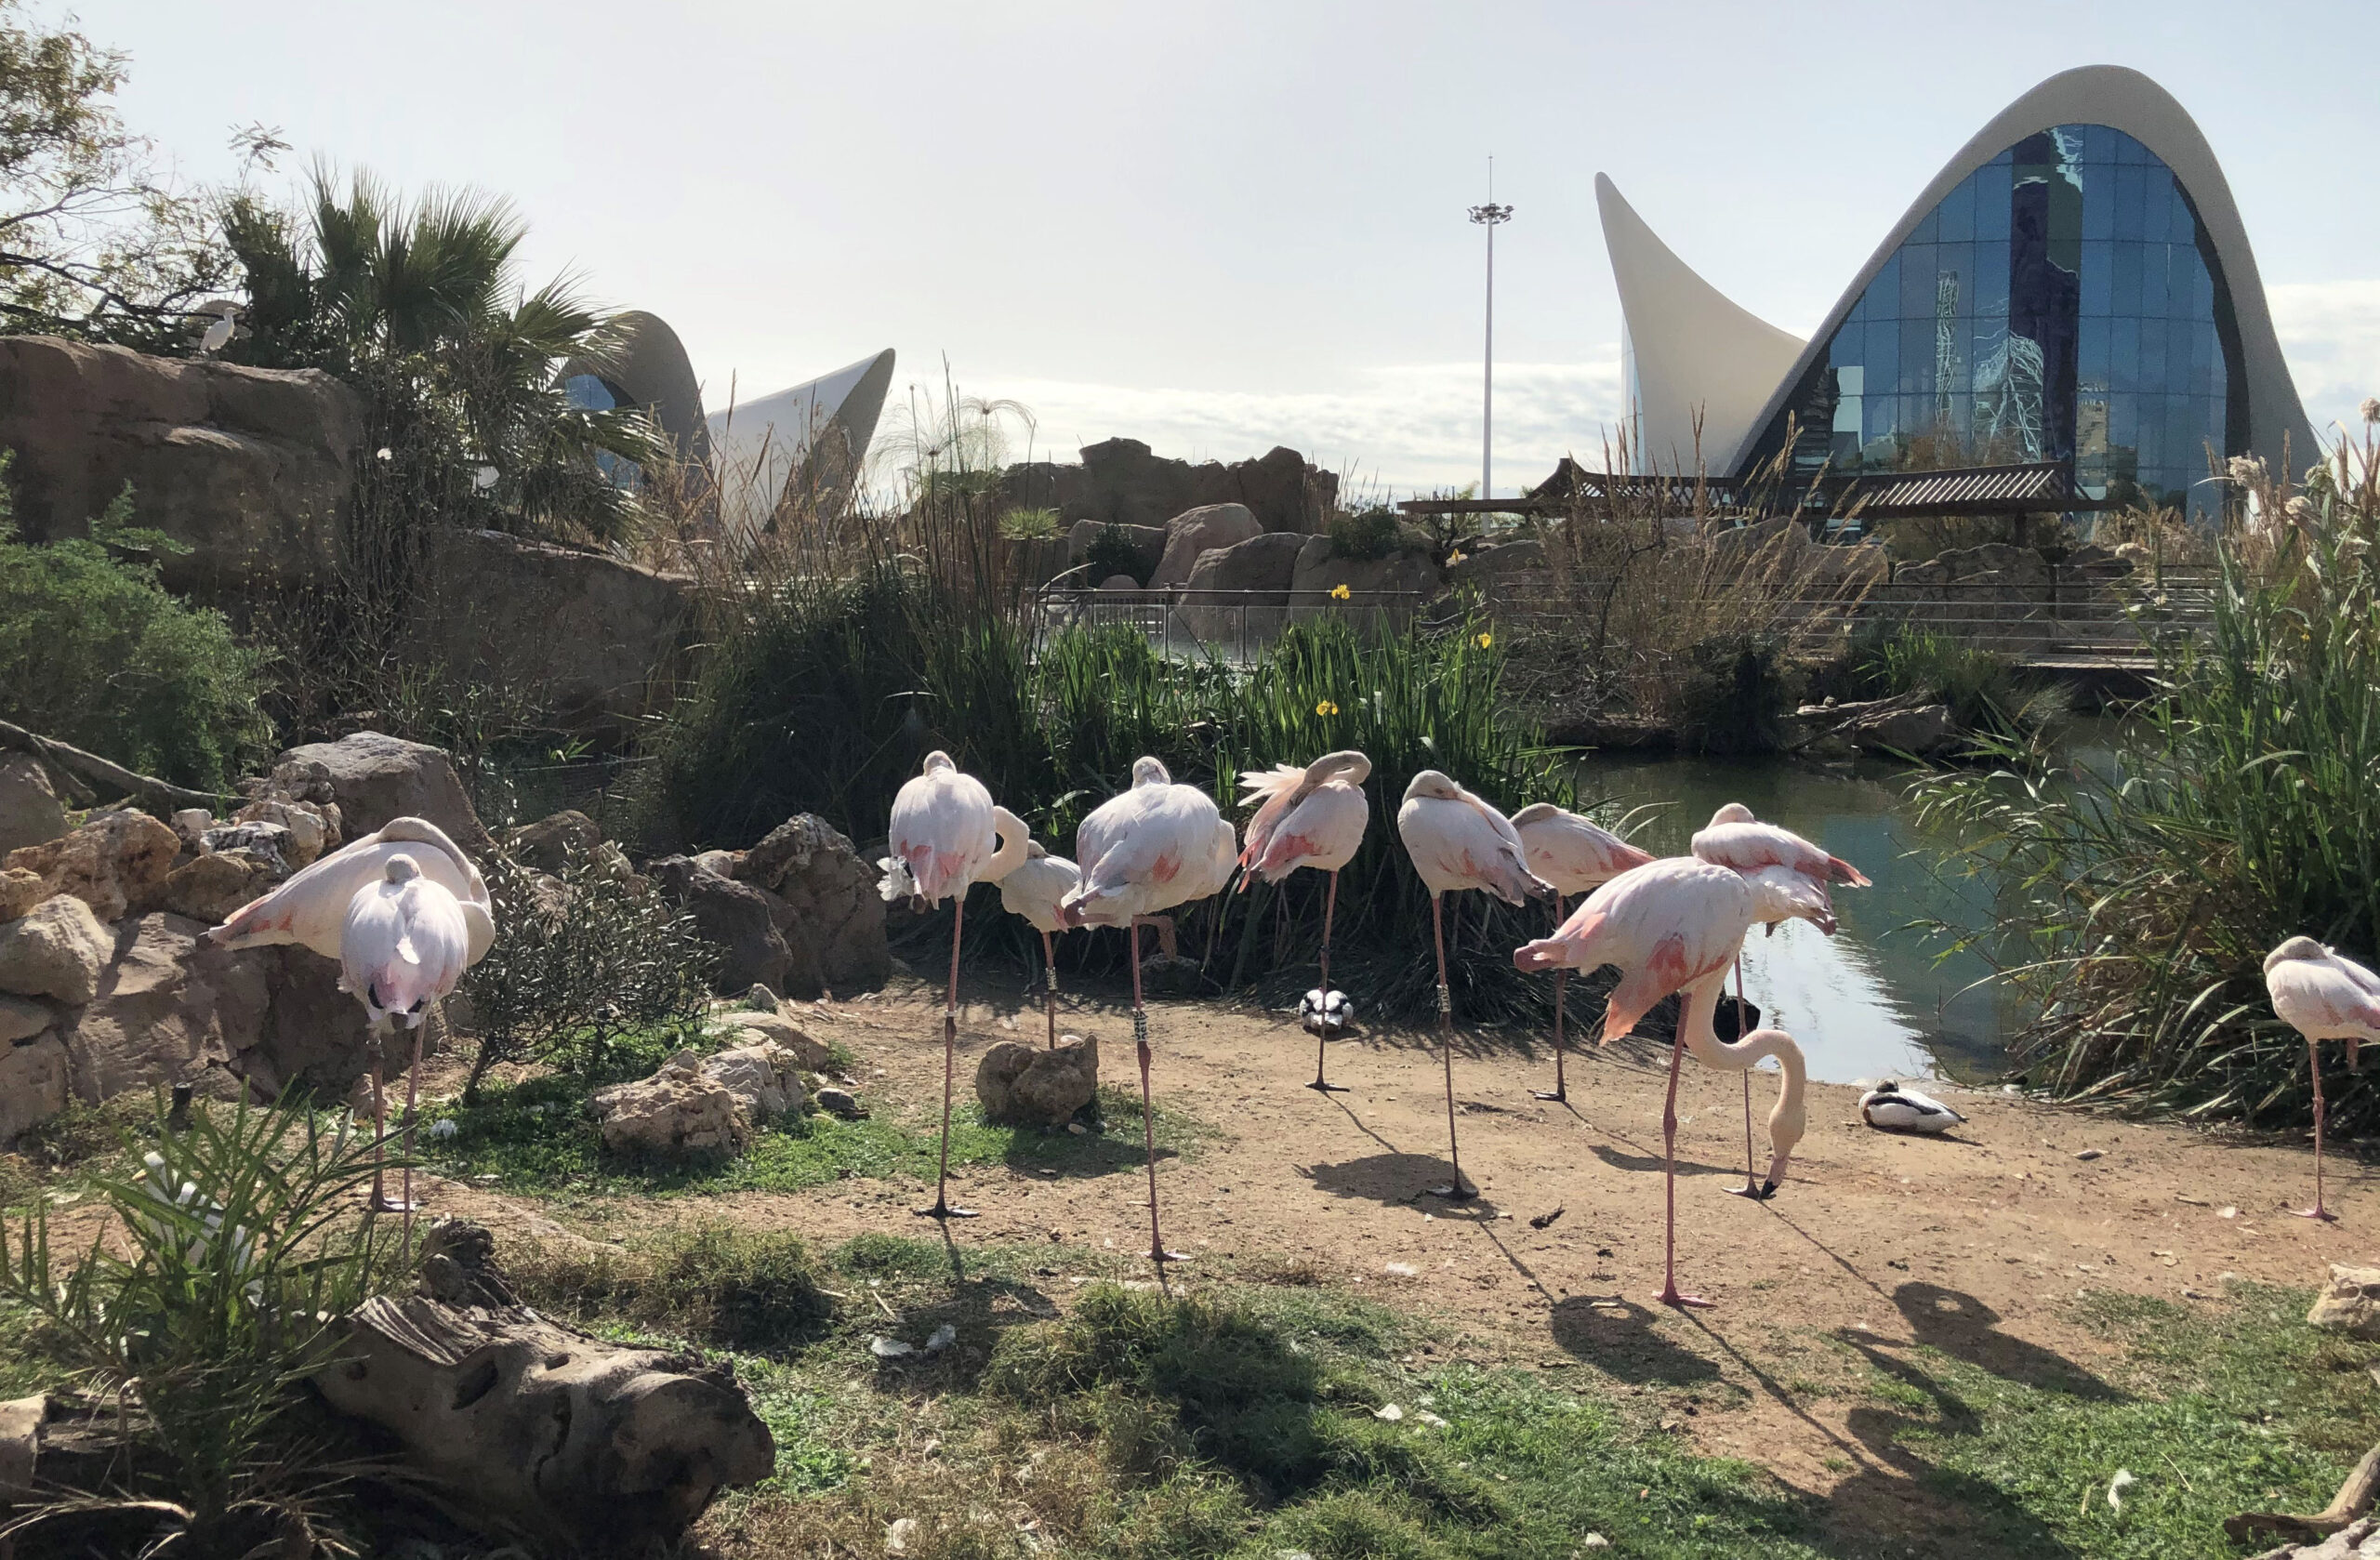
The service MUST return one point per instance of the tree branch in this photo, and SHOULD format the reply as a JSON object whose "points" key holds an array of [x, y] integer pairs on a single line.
{"points": [[78, 766]]}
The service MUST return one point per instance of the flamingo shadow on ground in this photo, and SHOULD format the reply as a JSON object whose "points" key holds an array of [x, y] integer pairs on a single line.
{"points": [[1965, 1328], [1396, 1179], [1641, 1163], [1618, 1338]]}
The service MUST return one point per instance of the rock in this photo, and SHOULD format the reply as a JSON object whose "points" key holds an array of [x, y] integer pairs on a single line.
{"points": [[2349, 1303], [1408, 576], [1147, 543], [765, 1076], [735, 915], [315, 1036], [826, 907], [191, 826], [1926, 732], [165, 1009], [110, 864], [1491, 565], [209, 888], [253, 468], [375, 777], [1200, 529], [1119, 582], [30, 813], [304, 830], [675, 1113], [270, 844], [20, 892], [721, 863], [840, 1102], [1020, 1085], [552, 843], [33, 1083], [20, 1019], [1243, 589], [760, 999], [56, 950], [1170, 975], [777, 1030], [1119, 480]]}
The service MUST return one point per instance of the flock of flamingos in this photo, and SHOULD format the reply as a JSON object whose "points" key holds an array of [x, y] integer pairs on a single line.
{"points": [[406, 913]]}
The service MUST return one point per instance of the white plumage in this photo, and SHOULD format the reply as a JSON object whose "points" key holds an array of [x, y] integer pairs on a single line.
{"points": [[1892, 1108], [310, 908], [1325, 1013], [1459, 841], [403, 945]]}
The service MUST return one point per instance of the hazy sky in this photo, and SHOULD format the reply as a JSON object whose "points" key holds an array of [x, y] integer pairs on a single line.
{"points": [[1222, 227]]}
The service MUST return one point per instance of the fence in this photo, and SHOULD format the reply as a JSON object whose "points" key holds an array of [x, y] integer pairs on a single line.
{"points": [[1231, 626]]}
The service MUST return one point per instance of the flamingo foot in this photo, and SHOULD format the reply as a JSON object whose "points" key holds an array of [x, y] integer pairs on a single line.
{"points": [[1758, 1191], [1455, 1192], [1559, 1096], [1671, 1297], [1330, 1088], [944, 1208], [2317, 1211], [379, 1202]]}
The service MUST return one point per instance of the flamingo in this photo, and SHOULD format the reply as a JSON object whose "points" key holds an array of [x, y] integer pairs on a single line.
{"points": [[945, 837], [403, 945], [1312, 817], [1576, 856], [2322, 996], [1458, 841], [1143, 852], [1789, 877], [1032, 889], [1675, 925], [315, 910]]}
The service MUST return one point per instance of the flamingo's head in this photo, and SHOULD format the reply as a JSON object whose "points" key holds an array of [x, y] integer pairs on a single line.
{"points": [[2296, 947], [1347, 764], [1035, 849], [1536, 813], [937, 760], [1434, 784], [402, 868], [1734, 812], [1150, 772]]}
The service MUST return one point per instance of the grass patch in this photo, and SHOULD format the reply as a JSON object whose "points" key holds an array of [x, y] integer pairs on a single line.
{"points": [[748, 1290]]}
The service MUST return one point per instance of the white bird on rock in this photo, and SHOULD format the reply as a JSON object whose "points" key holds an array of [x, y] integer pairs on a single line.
{"points": [[1459, 841], [313, 909], [1892, 1107], [1577, 855], [945, 837], [1155, 846], [1034, 888], [2322, 996], [1311, 817]]}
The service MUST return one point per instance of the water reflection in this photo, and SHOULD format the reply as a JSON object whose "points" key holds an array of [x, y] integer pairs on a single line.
{"points": [[1874, 1000]]}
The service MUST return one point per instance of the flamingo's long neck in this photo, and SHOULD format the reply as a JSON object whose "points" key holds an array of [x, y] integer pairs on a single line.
{"points": [[1696, 1012]]}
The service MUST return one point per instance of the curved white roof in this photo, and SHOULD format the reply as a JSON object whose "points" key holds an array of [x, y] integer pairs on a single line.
{"points": [[764, 444]]}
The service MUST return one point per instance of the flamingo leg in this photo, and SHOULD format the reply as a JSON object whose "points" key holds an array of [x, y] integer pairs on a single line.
{"points": [[1669, 1295], [1321, 1036], [379, 1203], [942, 1207], [1455, 1190], [412, 1092], [1561, 1094], [1157, 1253], [2314, 1065], [1750, 1188], [1050, 987]]}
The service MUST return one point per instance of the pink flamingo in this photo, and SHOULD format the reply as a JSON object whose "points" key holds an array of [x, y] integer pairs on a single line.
{"points": [[1458, 841], [944, 837], [1032, 889], [1313, 817], [1675, 925], [2322, 996], [1576, 856], [1789, 877], [1153, 846], [316, 909]]}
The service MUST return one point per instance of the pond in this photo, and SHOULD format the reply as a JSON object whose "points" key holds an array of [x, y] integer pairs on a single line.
{"points": [[1879, 999]]}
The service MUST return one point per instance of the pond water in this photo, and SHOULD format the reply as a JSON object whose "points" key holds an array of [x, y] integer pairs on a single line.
{"points": [[1879, 999]]}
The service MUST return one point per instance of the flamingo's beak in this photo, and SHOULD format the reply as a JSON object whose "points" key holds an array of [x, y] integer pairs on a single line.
{"points": [[1776, 1164]]}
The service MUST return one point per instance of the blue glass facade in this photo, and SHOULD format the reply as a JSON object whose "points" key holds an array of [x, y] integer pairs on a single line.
{"points": [[2062, 302], [590, 393]]}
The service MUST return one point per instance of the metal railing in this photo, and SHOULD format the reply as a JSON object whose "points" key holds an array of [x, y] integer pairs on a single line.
{"points": [[1236, 627]]}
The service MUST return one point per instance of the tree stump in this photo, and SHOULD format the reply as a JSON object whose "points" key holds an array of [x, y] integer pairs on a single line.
{"points": [[587, 1445]]}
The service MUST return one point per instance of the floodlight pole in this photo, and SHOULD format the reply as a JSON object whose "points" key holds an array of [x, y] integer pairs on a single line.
{"points": [[1490, 217]]}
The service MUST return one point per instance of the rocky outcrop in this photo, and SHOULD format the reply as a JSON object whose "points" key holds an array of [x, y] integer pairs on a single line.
{"points": [[1910, 725], [373, 777], [251, 468], [1193, 531], [1147, 543], [56, 950], [165, 1011], [29, 812], [765, 1079], [753, 1028], [1242, 589], [1407, 577], [114, 863], [1023, 1087], [676, 1113], [823, 904], [591, 637], [1121, 480], [735, 915]]}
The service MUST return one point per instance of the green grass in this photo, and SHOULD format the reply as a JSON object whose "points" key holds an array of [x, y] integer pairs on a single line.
{"points": [[537, 1136]]}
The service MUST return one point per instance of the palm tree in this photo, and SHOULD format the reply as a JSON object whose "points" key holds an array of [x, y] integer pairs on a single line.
{"points": [[420, 306]]}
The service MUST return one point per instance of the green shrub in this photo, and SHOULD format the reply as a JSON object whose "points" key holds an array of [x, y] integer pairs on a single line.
{"points": [[751, 1290], [1986, 692], [1025, 524], [1112, 551], [1733, 695], [95, 652], [1367, 534]]}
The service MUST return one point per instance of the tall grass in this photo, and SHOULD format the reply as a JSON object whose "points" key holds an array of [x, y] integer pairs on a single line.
{"points": [[2244, 809]]}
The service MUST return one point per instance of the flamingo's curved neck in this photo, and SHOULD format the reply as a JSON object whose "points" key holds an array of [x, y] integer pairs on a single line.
{"points": [[1698, 1008], [1013, 836]]}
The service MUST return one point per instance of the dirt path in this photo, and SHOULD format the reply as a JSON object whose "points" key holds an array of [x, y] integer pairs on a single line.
{"points": [[1968, 1243]]}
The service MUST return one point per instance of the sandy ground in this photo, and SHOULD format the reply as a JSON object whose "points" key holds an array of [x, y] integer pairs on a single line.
{"points": [[1969, 1243]]}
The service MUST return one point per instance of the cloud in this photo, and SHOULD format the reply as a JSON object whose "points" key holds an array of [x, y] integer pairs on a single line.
{"points": [[2330, 332], [1400, 429]]}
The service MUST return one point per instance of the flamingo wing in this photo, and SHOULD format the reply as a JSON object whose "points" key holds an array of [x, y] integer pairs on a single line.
{"points": [[1322, 832], [2324, 1001], [311, 907], [1748, 847], [942, 832], [1780, 894], [1665, 925], [1280, 789]]}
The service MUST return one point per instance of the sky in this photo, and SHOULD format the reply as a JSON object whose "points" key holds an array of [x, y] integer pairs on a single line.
{"points": [[1221, 227]]}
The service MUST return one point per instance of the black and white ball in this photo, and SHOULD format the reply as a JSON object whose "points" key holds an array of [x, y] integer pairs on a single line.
{"points": [[1325, 1013]]}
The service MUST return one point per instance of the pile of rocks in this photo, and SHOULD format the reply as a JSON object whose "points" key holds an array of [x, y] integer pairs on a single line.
{"points": [[697, 1106], [797, 913]]}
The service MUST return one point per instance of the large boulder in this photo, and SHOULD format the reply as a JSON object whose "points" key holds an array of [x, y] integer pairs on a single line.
{"points": [[825, 906], [165, 1011], [554, 842], [1121, 480], [755, 1029], [1200, 529], [738, 916], [315, 1036], [114, 863], [2349, 1303], [252, 467], [1407, 578], [375, 777], [1242, 592], [677, 1112], [21, 1018], [57, 950], [33, 1083], [1147, 543], [29, 812], [592, 637], [1021, 1086], [766, 1078]]}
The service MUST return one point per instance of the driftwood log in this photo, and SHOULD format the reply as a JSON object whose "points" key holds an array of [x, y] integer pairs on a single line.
{"points": [[76, 767], [2351, 1502], [584, 1445]]}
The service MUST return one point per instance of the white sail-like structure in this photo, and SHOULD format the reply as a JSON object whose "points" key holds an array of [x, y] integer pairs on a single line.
{"points": [[812, 437]]}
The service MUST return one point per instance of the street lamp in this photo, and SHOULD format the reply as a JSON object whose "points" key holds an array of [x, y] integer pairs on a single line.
{"points": [[1490, 217]]}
